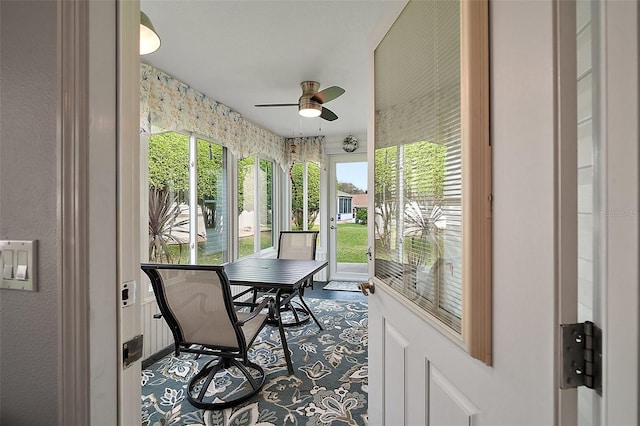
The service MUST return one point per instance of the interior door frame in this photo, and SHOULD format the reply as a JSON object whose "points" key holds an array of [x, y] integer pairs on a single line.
{"points": [[129, 226], [566, 196], [619, 130], [617, 186], [95, 126], [331, 220]]}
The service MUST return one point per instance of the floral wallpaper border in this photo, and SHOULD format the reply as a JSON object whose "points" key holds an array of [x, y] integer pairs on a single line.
{"points": [[168, 104]]}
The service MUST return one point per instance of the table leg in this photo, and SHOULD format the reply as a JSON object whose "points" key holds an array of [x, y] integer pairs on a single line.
{"points": [[283, 337]]}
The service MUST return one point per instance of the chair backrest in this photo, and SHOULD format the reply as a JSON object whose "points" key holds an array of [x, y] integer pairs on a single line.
{"points": [[297, 245], [196, 302]]}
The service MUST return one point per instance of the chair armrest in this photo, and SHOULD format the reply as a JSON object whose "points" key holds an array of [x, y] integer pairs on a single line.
{"points": [[255, 312], [157, 316]]}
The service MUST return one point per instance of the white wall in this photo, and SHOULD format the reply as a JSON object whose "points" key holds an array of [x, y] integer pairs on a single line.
{"points": [[28, 210]]}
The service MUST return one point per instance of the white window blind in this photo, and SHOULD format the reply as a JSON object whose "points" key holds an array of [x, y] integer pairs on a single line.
{"points": [[418, 181]]}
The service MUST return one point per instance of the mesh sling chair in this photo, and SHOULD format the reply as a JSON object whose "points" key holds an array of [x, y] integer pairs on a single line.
{"points": [[196, 303], [296, 245]]}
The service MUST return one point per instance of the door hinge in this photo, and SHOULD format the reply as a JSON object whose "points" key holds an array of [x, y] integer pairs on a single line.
{"points": [[582, 356]]}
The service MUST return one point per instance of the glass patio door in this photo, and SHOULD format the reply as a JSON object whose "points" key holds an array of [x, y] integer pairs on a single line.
{"points": [[348, 200]]}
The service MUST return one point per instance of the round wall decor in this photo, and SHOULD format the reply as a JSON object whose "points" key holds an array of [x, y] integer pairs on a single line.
{"points": [[350, 144]]}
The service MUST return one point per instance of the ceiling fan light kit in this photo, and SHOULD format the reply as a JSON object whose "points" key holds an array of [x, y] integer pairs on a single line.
{"points": [[310, 103], [149, 38], [309, 108]]}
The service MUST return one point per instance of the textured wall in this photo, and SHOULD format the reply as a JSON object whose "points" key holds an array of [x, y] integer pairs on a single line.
{"points": [[28, 158]]}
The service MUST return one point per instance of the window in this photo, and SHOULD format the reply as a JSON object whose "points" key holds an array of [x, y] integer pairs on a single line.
{"points": [[255, 205], [187, 205], [213, 219], [344, 205], [432, 210], [419, 227], [305, 195], [265, 201]]}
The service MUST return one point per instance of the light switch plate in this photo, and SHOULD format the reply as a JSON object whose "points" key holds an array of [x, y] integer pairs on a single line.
{"points": [[23, 262]]}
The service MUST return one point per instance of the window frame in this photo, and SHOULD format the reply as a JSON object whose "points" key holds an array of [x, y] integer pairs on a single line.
{"points": [[275, 207], [305, 193], [192, 195], [477, 179]]}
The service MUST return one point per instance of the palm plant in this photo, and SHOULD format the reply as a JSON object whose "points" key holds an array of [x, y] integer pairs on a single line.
{"points": [[422, 226], [163, 217]]}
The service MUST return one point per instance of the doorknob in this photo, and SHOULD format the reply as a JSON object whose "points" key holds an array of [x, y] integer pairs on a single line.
{"points": [[333, 227], [367, 287]]}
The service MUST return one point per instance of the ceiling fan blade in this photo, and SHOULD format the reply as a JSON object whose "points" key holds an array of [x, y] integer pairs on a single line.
{"points": [[328, 115], [275, 105], [328, 94]]}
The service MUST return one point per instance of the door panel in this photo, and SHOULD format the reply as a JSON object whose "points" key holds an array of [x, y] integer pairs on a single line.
{"points": [[395, 351], [447, 404], [425, 379]]}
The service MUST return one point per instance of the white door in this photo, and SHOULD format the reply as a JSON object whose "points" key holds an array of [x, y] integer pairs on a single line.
{"points": [[419, 374], [605, 39], [420, 370], [347, 252]]}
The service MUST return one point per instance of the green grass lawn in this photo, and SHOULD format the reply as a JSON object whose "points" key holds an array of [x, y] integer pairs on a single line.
{"points": [[245, 244], [352, 243], [352, 247], [181, 255]]}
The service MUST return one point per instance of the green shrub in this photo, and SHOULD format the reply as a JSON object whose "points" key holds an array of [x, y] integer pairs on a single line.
{"points": [[361, 216]]}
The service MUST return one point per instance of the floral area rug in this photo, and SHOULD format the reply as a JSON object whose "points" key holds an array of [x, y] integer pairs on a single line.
{"points": [[329, 386]]}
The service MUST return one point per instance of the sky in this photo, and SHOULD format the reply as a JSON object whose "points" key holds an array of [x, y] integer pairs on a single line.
{"points": [[356, 173]]}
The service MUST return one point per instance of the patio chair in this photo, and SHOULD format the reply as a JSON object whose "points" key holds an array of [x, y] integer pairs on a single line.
{"points": [[196, 303], [296, 245]]}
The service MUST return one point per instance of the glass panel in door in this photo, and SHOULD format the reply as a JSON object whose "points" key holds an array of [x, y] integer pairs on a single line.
{"points": [[349, 220]]}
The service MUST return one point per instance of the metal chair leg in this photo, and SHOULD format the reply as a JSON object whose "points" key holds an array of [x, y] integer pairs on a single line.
{"points": [[310, 312]]}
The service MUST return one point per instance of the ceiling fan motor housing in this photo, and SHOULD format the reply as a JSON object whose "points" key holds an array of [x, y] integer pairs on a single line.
{"points": [[309, 88]]}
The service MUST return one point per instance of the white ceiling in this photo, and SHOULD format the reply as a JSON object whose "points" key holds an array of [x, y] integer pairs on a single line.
{"points": [[243, 53]]}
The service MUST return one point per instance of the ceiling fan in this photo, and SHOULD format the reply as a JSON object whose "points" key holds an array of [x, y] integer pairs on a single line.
{"points": [[310, 103]]}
